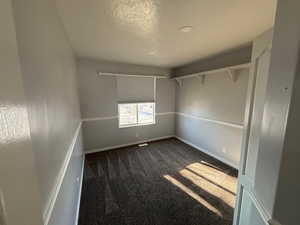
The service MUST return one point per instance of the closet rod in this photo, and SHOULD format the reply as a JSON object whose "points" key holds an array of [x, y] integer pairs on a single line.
{"points": [[131, 75]]}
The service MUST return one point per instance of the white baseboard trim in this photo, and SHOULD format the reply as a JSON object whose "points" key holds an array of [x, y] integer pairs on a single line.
{"points": [[59, 180], [208, 153], [161, 138], [128, 144], [80, 190]]}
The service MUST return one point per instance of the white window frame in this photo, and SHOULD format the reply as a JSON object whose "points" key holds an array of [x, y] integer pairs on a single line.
{"points": [[137, 114]]}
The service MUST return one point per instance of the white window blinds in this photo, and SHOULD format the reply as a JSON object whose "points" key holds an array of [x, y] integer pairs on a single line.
{"points": [[135, 89]]}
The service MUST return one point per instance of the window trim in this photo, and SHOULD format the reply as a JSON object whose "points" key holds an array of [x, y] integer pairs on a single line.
{"points": [[137, 113]]}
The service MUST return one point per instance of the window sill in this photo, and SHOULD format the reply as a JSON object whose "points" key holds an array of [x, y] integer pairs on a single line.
{"points": [[137, 125]]}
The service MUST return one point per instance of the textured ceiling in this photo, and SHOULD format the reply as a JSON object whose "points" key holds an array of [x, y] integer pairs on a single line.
{"points": [[147, 32]]}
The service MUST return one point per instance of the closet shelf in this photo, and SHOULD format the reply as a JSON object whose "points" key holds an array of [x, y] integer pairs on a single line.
{"points": [[231, 71]]}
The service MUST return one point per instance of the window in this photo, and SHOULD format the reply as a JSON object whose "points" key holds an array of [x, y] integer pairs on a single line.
{"points": [[136, 114]]}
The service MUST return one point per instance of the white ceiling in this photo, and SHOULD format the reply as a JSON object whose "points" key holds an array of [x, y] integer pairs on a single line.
{"points": [[147, 32]]}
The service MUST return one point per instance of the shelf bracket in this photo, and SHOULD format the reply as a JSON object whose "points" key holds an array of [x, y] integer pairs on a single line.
{"points": [[201, 78], [232, 75], [179, 81]]}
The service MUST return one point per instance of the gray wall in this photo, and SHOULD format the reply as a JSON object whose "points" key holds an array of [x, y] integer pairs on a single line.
{"points": [[287, 182], [19, 191], [229, 58], [98, 100], [49, 76], [211, 114]]}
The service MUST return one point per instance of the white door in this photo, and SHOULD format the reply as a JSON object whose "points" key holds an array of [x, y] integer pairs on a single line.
{"points": [[250, 210]]}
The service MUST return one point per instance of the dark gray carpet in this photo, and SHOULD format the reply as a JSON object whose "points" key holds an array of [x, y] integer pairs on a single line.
{"points": [[167, 182]]}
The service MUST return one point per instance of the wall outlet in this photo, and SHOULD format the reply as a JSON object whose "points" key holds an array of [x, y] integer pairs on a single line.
{"points": [[224, 150]]}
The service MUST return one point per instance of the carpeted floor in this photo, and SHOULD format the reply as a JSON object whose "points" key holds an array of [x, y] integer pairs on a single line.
{"points": [[164, 183]]}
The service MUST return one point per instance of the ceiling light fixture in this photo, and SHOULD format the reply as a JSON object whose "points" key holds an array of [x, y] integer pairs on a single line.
{"points": [[152, 53], [186, 29]]}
